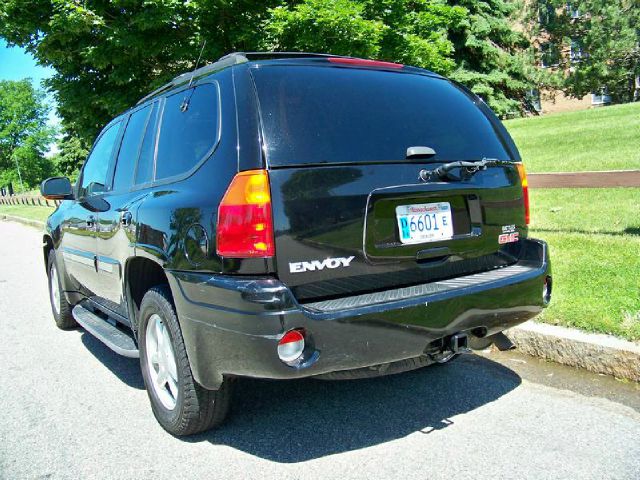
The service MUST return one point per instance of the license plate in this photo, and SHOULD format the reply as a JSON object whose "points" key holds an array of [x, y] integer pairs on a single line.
{"points": [[424, 222]]}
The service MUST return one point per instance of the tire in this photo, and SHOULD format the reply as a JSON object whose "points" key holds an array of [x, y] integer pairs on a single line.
{"points": [[61, 309], [179, 403]]}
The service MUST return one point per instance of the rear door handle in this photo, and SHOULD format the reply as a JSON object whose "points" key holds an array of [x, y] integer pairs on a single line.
{"points": [[125, 219]]}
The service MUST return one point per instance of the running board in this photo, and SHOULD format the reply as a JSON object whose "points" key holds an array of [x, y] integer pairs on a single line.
{"points": [[111, 336]]}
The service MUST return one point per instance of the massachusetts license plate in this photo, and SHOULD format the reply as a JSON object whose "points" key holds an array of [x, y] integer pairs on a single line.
{"points": [[424, 222]]}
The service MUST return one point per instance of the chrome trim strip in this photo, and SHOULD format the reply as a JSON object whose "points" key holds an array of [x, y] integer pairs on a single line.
{"points": [[78, 256]]}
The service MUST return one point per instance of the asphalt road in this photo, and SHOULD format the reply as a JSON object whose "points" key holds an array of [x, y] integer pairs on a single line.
{"points": [[70, 408]]}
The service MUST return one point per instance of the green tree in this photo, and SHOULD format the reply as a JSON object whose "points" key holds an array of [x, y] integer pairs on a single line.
{"points": [[108, 54], [24, 134], [491, 56], [72, 154], [326, 26], [604, 39]]}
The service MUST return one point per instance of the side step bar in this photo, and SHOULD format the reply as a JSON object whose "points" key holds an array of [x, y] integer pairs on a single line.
{"points": [[111, 336]]}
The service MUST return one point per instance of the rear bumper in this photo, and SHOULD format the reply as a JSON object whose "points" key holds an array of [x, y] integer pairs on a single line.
{"points": [[231, 325]]}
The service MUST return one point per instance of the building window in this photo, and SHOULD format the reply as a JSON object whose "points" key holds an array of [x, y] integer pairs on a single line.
{"points": [[573, 11], [546, 13], [549, 54], [576, 53]]}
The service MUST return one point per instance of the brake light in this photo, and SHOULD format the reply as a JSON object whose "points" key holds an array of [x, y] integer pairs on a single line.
{"points": [[362, 62], [245, 224], [525, 191]]}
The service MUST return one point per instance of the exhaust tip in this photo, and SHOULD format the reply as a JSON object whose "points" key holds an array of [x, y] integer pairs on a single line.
{"points": [[502, 342]]}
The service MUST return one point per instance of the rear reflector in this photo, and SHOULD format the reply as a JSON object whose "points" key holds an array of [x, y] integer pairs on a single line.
{"points": [[525, 191], [245, 225], [291, 346], [362, 62]]}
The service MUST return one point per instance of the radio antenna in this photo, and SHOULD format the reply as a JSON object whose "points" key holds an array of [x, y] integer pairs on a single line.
{"points": [[193, 74], [185, 103]]}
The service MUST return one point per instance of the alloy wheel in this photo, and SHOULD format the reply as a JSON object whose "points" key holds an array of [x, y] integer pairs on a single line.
{"points": [[161, 362], [54, 289]]}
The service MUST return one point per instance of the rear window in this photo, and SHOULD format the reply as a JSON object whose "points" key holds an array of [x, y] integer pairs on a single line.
{"points": [[345, 115]]}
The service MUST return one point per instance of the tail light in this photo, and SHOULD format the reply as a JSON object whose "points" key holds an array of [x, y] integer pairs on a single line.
{"points": [[245, 225], [525, 191]]}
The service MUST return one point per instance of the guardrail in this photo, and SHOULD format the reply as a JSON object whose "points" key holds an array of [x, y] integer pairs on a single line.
{"points": [[605, 179], [32, 200]]}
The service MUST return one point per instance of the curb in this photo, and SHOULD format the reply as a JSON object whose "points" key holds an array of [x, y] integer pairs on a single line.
{"points": [[594, 352], [25, 221]]}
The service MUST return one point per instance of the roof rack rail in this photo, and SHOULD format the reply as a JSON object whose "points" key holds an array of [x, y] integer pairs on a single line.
{"points": [[275, 55], [228, 60]]}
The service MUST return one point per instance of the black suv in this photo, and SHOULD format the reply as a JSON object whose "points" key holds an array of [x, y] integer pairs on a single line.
{"points": [[291, 215]]}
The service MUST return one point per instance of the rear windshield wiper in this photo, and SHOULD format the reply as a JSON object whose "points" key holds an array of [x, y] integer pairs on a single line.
{"points": [[467, 169]]}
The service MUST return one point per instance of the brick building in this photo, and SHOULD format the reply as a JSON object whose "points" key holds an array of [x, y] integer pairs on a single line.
{"points": [[560, 57]]}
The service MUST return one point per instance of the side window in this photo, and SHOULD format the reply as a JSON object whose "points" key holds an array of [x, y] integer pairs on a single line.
{"points": [[188, 131], [144, 170], [94, 173], [128, 155]]}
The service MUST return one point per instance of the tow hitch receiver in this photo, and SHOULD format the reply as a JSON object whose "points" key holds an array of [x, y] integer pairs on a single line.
{"points": [[458, 343]]}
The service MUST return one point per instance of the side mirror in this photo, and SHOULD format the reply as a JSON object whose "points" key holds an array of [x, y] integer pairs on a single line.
{"points": [[56, 188]]}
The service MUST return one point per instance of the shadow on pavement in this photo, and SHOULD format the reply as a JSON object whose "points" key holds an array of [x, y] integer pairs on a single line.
{"points": [[126, 369], [298, 420], [295, 421]]}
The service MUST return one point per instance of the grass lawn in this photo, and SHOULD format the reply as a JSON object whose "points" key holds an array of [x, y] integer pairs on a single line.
{"points": [[598, 139], [594, 237], [25, 211]]}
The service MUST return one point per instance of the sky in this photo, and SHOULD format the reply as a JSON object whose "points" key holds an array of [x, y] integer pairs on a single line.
{"points": [[16, 64]]}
